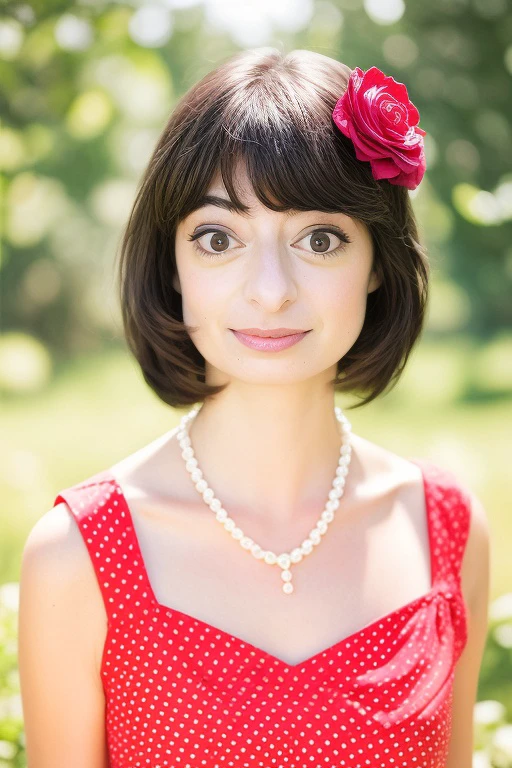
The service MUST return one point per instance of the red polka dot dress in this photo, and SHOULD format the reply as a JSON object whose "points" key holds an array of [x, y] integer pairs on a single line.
{"points": [[182, 693]]}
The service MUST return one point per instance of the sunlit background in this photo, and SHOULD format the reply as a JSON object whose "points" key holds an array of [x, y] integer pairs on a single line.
{"points": [[85, 90]]}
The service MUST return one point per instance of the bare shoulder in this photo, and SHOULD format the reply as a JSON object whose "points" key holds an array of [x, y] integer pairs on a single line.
{"points": [[55, 534], [55, 559], [56, 545], [384, 467], [60, 638], [155, 470], [475, 568]]}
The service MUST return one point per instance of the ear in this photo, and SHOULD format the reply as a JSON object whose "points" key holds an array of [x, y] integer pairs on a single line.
{"points": [[374, 282], [176, 282]]}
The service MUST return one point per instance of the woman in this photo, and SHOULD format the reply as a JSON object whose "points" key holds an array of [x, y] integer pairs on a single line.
{"points": [[219, 598]]}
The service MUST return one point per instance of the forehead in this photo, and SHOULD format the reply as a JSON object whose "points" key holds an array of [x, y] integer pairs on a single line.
{"points": [[217, 198]]}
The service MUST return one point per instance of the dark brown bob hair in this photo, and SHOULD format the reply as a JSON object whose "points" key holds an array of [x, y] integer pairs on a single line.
{"points": [[272, 111]]}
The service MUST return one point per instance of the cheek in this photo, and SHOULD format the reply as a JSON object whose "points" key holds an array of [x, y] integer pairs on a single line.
{"points": [[203, 298], [343, 307]]}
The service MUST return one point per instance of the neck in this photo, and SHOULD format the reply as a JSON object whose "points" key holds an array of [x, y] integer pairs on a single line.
{"points": [[273, 459]]}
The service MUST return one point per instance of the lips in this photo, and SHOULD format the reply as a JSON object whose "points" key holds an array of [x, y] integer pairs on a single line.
{"points": [[268, 344], [275, 333]]}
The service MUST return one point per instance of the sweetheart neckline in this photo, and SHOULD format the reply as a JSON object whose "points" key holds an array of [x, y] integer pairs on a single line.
{"points": [[255, 650], [435, 584]]}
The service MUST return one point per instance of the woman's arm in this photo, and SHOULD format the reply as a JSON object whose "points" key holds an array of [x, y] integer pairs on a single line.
{"points": [[60, 626], [475, 580]]}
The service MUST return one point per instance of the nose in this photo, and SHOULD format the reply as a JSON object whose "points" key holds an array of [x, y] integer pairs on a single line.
{"points": [[271, 278]]}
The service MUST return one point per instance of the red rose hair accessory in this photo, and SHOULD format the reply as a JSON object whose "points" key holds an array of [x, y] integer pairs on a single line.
{"points": [[376, 114]]}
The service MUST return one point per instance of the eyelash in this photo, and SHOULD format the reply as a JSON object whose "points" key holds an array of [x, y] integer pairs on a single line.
{"points": [[333, 231]]}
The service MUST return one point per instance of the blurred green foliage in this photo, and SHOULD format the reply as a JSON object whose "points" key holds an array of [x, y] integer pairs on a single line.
{"points": [[86, 88]]}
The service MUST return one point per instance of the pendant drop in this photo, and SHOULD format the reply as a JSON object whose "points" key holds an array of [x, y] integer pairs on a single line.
{"points": [[286, 576]]}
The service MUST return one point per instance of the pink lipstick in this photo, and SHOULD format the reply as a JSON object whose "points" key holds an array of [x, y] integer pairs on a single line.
{"points": [[269, 344]]}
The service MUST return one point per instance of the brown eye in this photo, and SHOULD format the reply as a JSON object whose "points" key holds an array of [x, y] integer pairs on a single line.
{"points": [[219, 241], [320, 242]]}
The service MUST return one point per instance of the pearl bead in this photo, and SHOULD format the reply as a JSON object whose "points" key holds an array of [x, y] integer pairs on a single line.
{"points": [[257, 551], [288, 587], [306, 547]]}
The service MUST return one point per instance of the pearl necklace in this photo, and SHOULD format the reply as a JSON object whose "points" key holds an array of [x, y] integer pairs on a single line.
{"points": [[285, 559]]}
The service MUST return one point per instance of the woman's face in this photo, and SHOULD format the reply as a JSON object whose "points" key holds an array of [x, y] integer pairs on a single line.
{"points": [[272, 270]]}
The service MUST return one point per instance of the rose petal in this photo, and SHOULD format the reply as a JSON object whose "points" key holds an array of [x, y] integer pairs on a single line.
{"points": [[375, 77], [384, 169]]}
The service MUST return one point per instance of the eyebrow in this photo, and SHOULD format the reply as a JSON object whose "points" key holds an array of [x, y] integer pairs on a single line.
{"points": [[228, 205]]}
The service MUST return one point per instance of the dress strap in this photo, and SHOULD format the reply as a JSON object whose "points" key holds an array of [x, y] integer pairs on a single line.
{"points": [[101, 513], [449, 514]]}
